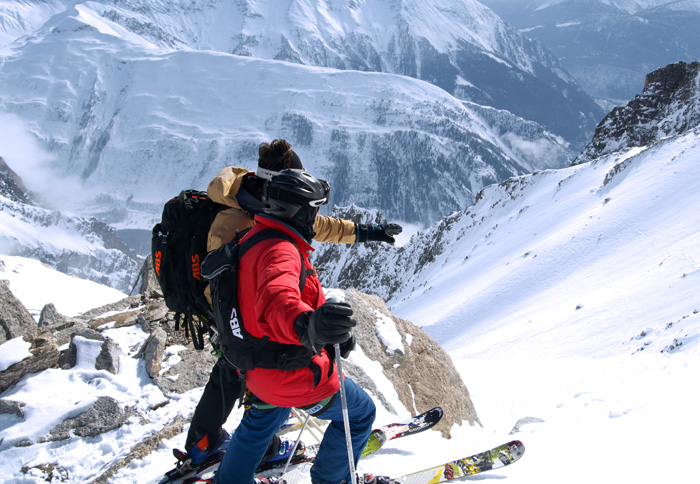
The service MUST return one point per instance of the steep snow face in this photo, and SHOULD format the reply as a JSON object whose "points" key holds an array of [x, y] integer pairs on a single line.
{"points": [[459, 46], [569, 248], [462, 47]]}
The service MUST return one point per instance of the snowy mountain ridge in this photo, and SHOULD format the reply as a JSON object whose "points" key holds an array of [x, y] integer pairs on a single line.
{"points": [[116, 134], [562, 234], [145, 90], [669, 105], [541, 252], [608, 46]]}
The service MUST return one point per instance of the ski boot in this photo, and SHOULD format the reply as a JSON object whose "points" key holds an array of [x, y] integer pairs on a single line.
{"points": [[372, 479], [281, 451], [200, 454], [269, 480]]}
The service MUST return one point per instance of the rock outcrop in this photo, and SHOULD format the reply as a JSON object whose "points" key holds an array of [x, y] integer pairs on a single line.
{"points": [[107, 358], [15, 320], [44, 354], [421, 371], [102, 416], [669, 105]]}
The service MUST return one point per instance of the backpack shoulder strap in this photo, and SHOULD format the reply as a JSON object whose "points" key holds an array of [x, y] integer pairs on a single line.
{"points": [[275, 234]]}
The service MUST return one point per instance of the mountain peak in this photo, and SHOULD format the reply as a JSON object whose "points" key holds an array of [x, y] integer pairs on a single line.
{"points": [[669, 105]]}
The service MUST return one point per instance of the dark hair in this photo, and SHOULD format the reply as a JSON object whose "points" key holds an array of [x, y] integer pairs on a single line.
{"points": [[277, 156]]}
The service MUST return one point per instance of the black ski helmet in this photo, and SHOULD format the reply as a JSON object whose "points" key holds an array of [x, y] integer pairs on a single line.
{"points": [[294, 196]]}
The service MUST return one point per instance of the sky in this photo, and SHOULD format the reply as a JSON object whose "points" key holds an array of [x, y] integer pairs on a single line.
{"points": [[573, 304]]}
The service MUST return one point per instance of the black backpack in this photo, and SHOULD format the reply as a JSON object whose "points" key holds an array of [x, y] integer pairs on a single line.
{"points": [[242, 350], [178, 247]]}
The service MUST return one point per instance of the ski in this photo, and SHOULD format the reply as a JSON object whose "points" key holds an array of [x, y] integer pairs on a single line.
{"points": [[495, 458], [411, 426], [378, 438]]}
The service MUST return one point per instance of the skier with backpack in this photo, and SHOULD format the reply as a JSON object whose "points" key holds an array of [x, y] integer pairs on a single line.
{"points": [[232, 200], [292, 329]]}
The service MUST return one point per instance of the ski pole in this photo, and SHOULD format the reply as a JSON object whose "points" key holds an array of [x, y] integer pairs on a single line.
{"points": [[346, 417], [314, 427], [296, 444]]}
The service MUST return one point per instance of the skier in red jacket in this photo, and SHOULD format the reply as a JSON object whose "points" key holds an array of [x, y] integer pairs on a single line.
{"points": [[272, 305]]}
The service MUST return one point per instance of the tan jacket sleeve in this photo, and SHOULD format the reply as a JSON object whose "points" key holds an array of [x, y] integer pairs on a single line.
{"points": [[336, 230]]}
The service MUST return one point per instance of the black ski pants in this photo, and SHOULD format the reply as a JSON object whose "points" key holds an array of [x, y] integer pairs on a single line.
{"points": [[215, 405]]}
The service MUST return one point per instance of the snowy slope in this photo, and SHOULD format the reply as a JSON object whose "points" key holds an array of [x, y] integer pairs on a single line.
{"points": [[594, 249], [36, 285]]}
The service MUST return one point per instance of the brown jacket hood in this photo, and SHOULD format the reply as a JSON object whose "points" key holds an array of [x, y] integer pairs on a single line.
{"points": [[226, 185]]}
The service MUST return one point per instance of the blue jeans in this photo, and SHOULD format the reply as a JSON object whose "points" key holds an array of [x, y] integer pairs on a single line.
{"points": [[252, 436]]}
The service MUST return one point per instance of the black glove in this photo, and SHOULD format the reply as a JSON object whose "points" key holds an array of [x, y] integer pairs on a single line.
{"points": [[345, 348], [380, 233], [329, 324]]}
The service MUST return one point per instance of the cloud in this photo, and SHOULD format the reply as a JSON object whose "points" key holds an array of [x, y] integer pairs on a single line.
{"points": [[538, 152], [23, 153]]}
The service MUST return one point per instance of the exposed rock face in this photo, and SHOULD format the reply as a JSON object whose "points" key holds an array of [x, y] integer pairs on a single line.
{"points": [[107, 359], [102, 416], [44, 355], [15, 320], [423, 373], [191, 372], [669, 105], [153, 351], [50, 316], [11, 407], [149, 284], [11, 185]]}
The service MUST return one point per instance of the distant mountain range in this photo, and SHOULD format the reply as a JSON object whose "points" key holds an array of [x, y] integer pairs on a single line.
{"points": [[608, 46], [137, 100]]}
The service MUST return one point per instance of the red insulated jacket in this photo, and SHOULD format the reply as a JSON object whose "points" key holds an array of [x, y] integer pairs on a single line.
{"points": [[270, 302]]}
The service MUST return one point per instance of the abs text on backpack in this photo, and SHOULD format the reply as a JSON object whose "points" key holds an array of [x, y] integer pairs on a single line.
{"points": [[178, 247], [241, 349]]}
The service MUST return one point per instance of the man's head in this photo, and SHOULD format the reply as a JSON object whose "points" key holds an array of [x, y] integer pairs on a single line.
{"points": [[294, 197], [276, 156]]}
